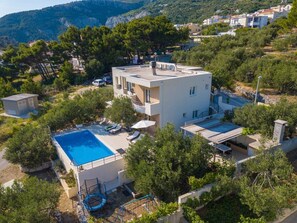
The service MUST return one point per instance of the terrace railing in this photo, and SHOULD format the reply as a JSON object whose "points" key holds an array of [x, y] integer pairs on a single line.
{"points": [[100, 162]]}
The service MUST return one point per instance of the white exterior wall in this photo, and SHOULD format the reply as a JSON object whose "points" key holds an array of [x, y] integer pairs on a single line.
{"points": [[64, 158], [175, 99], [174, 95], [105, 173]]}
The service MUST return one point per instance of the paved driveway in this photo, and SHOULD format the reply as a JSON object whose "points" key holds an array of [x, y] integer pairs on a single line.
{"points": [[3, 162], [234, 99], [291, 219]]}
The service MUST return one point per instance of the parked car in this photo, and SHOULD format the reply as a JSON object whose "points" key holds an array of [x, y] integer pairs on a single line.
{"points": [[99, 83], [108, 79]]}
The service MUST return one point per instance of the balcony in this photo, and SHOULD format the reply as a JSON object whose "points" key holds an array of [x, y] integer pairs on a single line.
{"points": [[152, 108], [147, 108]]}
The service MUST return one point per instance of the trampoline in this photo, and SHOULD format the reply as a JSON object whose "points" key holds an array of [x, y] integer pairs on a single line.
{"points": [[94, 202]]}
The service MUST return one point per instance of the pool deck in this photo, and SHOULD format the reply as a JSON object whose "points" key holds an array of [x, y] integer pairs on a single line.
{"points": [[113, 142]]}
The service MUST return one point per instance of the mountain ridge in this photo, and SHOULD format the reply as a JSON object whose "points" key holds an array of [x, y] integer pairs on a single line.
{"points": [[49, 22]]}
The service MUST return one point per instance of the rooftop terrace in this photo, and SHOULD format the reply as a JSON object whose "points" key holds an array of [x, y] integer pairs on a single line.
{"points": [[164, 71]]}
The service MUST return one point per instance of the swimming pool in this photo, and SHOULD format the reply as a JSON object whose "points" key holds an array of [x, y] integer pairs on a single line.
{"points": [[83, 147]]}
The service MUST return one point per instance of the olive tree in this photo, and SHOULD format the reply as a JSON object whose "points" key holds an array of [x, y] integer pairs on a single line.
{"points": [[30, 146], [163, 164], [268, 184], [31, 200], [121, 111]]}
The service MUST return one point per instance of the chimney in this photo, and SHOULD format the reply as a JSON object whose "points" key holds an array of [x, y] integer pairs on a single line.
{"points": [[153, 65], [279, 130]]}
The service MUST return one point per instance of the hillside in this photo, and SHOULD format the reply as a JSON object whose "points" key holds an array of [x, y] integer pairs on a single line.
{"points": [[49, 22], [184, 11]]}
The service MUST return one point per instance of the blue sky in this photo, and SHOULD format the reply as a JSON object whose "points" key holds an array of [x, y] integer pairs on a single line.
{"points": [[10, 6]]}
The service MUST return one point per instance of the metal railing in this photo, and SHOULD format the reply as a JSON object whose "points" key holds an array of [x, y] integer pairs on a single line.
{"points": [[100, 162]]}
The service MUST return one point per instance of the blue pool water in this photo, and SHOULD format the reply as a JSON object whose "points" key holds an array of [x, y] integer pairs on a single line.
{"points": [[83, 147]]}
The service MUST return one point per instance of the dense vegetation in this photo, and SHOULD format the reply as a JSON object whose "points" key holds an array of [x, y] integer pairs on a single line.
{"points": [[77, 110], [266, 186], [99, 48], [162, 165], [31, 200], [50, 22], [261, 118], [30, 146], [242, 58], [184, 11], [121, 111]]}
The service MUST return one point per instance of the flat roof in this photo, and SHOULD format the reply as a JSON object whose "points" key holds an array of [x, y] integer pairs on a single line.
{"points": [[145, 72], [19, 97], [214, 130]]}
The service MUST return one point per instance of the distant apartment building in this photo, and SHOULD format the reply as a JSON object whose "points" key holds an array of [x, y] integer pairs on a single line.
{"points": [[212, 20], [247, 20], [275, 12], [216, 19], [165, 92], [193, 27]]}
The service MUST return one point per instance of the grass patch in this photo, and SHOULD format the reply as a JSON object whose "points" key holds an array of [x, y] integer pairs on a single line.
{"points": [[225, 210]]}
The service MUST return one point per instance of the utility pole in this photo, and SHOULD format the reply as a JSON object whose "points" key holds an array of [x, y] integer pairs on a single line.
{"points": [[256, 95]]}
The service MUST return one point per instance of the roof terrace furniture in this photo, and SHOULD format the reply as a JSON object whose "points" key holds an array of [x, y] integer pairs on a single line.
{"points": [[138, 138], [110, 127], [133, 136], [116, 129]]}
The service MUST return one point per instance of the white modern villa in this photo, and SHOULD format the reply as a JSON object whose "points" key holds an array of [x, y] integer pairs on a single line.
{"points": [[165, 92]]}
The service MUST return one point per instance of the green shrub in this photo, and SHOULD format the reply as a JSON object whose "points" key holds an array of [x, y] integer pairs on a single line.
{"points": [[70, 179], [201, 182], [163, 210], [191, 215], [30, 146]]}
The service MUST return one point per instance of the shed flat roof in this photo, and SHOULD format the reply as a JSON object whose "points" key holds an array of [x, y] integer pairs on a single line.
{"points": [[19, 97], [214, 130]]}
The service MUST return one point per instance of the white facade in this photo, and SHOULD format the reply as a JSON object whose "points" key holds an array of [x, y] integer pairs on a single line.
{"points": [[175, 94], [251, 21]]}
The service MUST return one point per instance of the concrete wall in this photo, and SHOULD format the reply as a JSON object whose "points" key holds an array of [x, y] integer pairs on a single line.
{"points": [[178, 215], [225, 106], [64, 158], [155, 95], [173, 95], [245, 140], [288, 145], [175, 99], [11, 107], [173, 218], [105, 173], [139, 91], [20, 107]]}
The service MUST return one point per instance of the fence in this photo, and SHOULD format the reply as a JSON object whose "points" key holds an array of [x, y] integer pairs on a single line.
{"points": [[99, 162]]}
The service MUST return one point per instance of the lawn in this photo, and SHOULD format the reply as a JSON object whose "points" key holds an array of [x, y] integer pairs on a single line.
{"points": [[225, 210]]}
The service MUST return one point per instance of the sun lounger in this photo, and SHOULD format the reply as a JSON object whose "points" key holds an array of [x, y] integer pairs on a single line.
{"points": [[133, 136], [116, 129], [138, 138], [110, 127]]}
